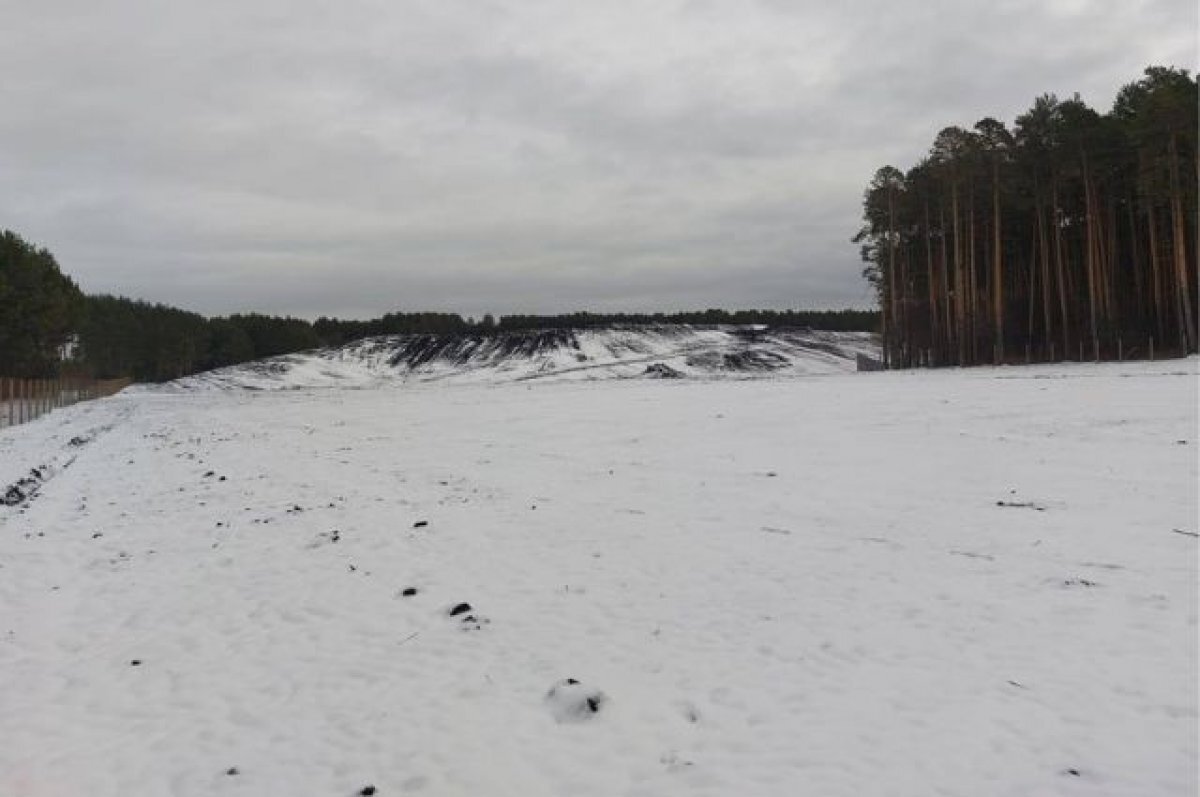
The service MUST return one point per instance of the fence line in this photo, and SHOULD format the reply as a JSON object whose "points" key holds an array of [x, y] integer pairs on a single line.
{"points": [[24, 400]]}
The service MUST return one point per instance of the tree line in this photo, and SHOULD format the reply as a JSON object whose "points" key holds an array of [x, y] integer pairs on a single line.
{"points": [[48, 327], [1071, 235], [835, 320]]}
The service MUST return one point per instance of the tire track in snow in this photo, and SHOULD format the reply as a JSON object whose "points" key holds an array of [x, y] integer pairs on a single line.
{"points": [[20, 493]]}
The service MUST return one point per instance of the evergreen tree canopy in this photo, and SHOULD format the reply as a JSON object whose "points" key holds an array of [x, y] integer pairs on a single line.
{"points": [[1073, 234], [39, 307]]}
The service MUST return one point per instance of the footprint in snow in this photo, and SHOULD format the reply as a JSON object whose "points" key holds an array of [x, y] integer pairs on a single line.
{"points": [[689, 711], [673, 762], [325, 538]]}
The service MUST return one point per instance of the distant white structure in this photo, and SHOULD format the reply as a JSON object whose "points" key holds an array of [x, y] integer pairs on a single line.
{"points": [[69, 349]]}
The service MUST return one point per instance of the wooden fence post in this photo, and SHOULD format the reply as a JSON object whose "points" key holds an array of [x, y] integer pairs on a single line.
{"points": [[24, 400]]}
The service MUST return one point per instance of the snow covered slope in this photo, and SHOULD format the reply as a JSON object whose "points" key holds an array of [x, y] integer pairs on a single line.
{"points": [[977, 582], [655, 351]]}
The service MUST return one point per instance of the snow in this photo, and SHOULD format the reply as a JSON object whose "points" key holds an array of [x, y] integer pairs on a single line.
{"points": [[978, 582], [620, 352]]}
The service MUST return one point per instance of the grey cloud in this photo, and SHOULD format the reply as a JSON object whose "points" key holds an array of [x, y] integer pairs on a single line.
{"points": [[359, 157]]}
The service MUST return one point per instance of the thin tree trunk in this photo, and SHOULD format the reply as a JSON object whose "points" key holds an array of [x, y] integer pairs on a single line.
{"points": [[948, 313], [1090, 224], [960, 304], [1062, 282], [1111, 256], [972, 288], [997, 265], [932, 277], [892, 258], [1188, 334], [1034, 272], [1155, 275], [1136, 257], [1044, 248]]}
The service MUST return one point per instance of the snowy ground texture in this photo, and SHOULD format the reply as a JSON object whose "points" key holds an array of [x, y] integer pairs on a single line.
{"points": [[620, 352], [967, 583]]}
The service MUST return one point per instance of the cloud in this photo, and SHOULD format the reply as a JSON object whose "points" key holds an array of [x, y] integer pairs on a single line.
{"points": [[356, 157]]}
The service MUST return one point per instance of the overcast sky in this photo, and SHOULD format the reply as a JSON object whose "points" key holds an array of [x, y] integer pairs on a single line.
{"points": [[348, 158]]}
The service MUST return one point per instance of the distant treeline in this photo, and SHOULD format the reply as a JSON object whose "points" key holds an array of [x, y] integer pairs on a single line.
{"points": [[836, 320], [331, 331], [334, 332], [49, 327], [154, 342], [1072, 235]]}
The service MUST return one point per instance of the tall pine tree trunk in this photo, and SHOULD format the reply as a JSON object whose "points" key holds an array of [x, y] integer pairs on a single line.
{"points": [[997, 265], [932, 278], [960, 289], [1061, 269], [1155, 275], [1090, 264], [1179, 229], [972, 288], [1136, 256], [948, 312], [1043, 243]]}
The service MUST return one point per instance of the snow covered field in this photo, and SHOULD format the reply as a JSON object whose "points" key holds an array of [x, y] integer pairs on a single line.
{"points": [[941, 583]]}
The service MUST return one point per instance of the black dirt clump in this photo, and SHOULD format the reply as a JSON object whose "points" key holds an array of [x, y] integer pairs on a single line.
{"points": [[23, 489], [661, 371], [408, 592], [231, 771], [1021, 505], [461, 608], [420, 524], [367, 791], [135, 663]]}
